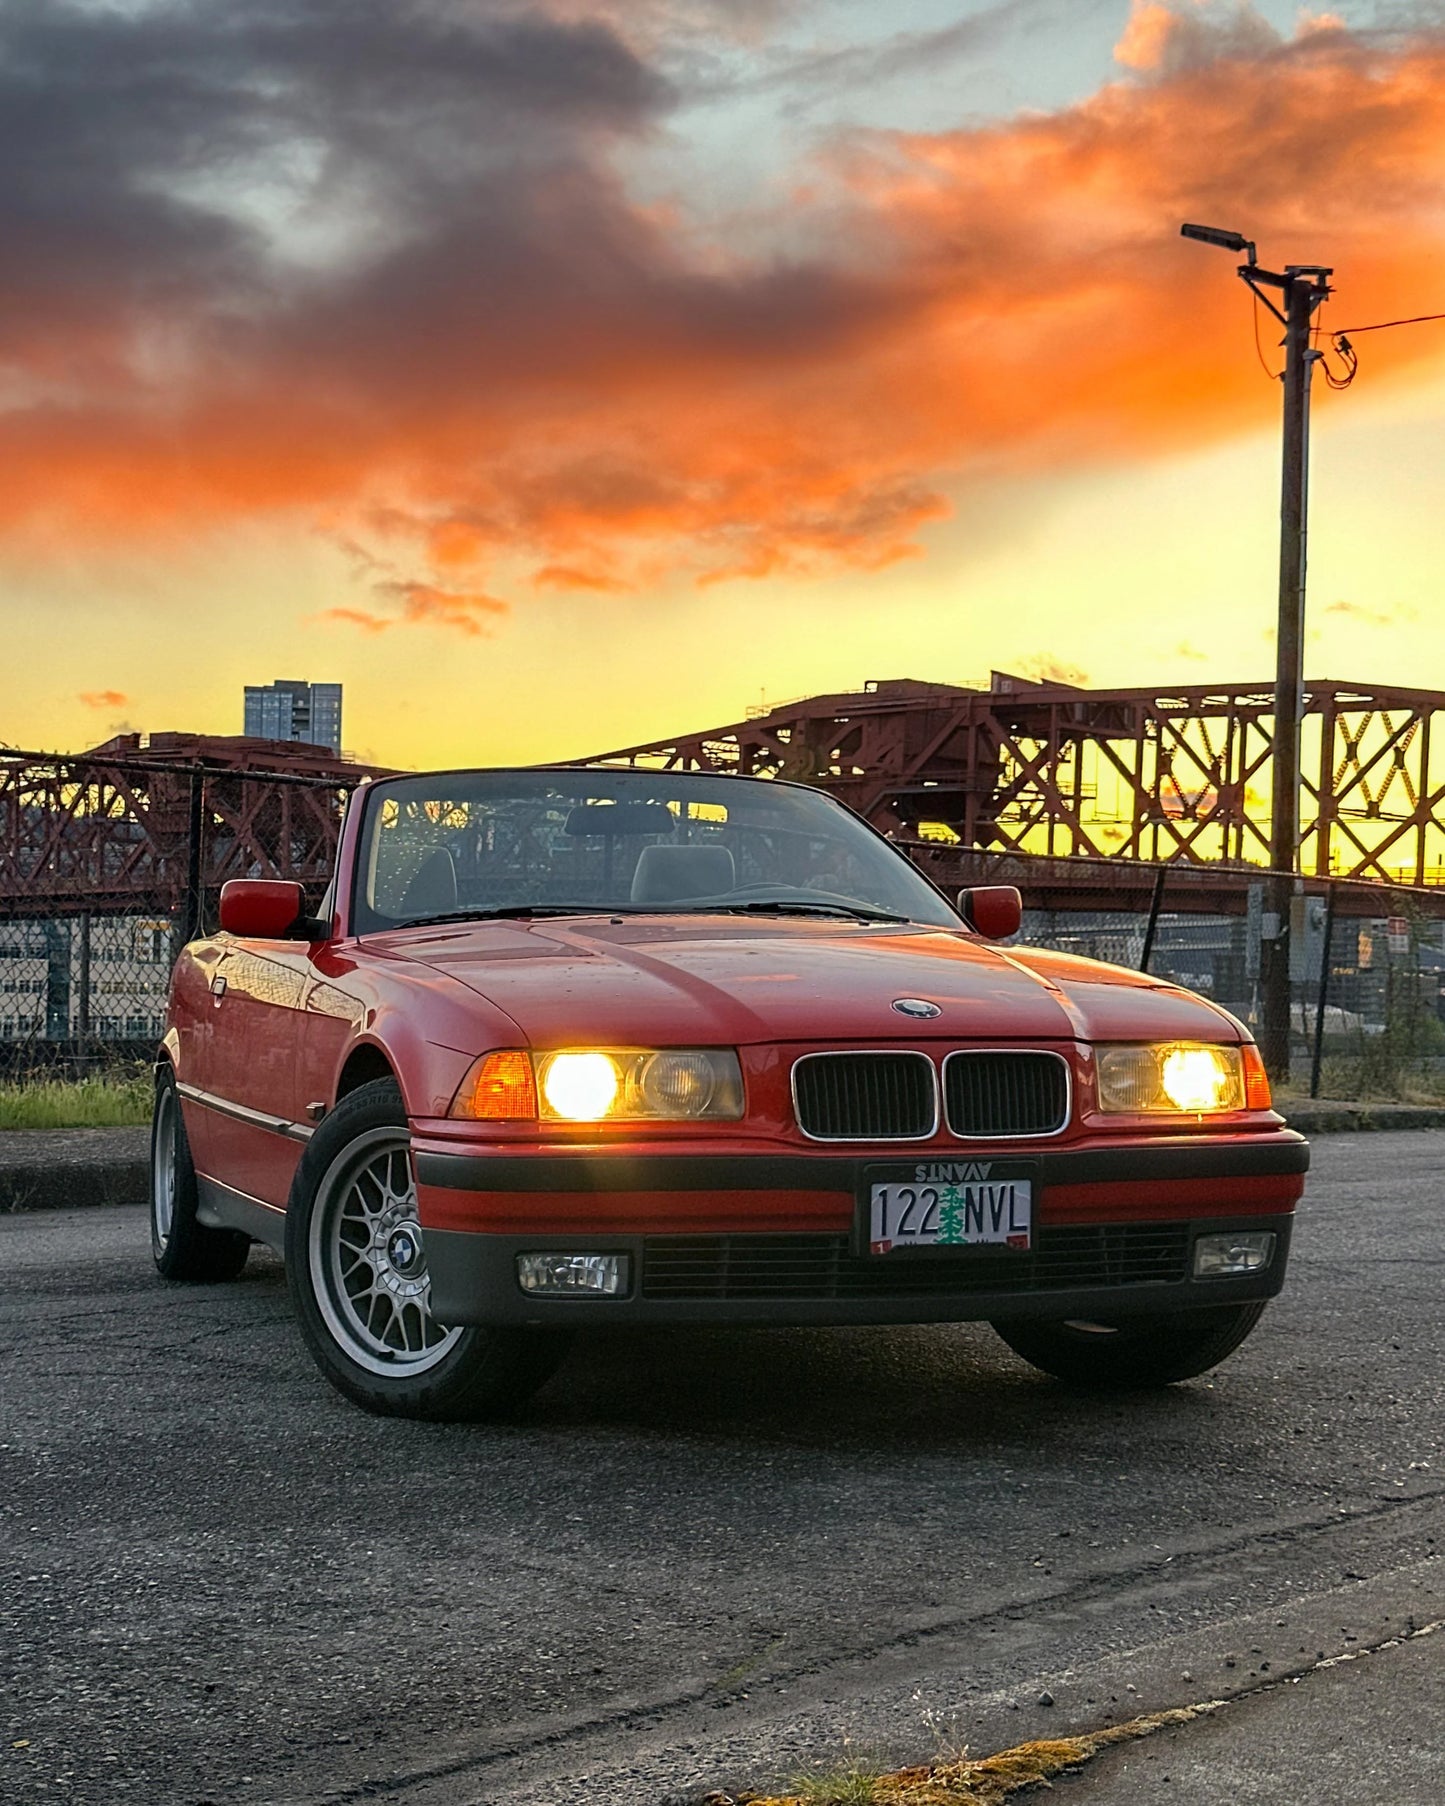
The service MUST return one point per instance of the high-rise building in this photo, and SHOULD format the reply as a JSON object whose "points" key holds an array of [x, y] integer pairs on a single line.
{"points": [[292, 710]]}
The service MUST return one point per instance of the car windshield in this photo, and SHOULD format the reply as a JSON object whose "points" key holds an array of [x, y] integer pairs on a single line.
{"points": [[451, 845]]}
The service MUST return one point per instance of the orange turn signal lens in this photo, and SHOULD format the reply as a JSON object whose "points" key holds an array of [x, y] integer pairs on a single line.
{"points": [[1256, 1079], [501, 1087]]}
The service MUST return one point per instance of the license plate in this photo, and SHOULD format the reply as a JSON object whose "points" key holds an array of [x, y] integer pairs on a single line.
{"points": [[978, 1204]]}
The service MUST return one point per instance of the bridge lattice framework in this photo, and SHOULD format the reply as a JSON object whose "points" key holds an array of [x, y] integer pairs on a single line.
{"points": [[154, 828], [1150, 774]]}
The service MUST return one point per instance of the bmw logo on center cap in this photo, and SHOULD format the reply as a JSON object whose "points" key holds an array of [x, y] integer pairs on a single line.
{"points": [[915, 1006]]}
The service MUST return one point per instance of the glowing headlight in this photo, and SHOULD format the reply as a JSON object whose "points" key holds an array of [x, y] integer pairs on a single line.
{"points": [[639, 1083], [1176, 1076], [602, 1084], [1199, 1078], [582, 1087]]}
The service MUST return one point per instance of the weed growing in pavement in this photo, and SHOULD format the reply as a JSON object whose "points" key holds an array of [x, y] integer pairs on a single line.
{"points": [[950, 1747], [853, 1783]]}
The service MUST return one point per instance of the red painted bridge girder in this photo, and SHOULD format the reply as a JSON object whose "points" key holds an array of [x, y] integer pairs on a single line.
{"points": [[1157, 774], [110, 831]]}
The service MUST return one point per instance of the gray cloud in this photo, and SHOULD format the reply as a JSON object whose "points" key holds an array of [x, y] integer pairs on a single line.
{"points": [[169, 157], [818, 75], [392, 194]]}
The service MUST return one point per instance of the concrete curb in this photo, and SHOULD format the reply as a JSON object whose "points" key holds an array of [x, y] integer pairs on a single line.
{"points": [[1329, 1116], [66, 1169], [69, 1169]]}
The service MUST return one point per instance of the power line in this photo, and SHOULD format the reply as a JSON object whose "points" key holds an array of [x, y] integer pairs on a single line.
{"points": [[1384, 325], [1346, 352], [1341, 342]]}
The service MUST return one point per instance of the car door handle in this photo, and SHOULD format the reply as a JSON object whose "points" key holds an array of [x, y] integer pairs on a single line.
{"points": [[218, 987]]}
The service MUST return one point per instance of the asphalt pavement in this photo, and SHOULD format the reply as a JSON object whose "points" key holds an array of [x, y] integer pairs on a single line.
{"points": [[714, 1558]]}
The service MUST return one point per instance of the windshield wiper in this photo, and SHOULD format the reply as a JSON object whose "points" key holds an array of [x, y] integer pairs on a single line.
{"points": [[851, 912], [514, 912], [523, 911]]}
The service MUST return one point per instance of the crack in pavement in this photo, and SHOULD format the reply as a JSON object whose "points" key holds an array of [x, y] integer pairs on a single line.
{"points": [[1033, 1764], [1183, 1569]]}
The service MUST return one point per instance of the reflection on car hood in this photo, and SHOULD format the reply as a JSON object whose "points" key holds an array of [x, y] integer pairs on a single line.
{"points": [[721, 981]]}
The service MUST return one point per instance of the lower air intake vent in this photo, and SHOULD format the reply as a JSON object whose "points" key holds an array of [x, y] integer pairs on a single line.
{"points": [[865, 1096], [822, 1266]]}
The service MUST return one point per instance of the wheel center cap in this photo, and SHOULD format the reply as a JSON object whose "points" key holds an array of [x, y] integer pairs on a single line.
{"points": [[403, 1250]]}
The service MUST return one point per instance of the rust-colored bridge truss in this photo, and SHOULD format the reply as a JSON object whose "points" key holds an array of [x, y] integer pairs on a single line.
{"points": [[1158, 774], [1137, 776], [156, 827]]}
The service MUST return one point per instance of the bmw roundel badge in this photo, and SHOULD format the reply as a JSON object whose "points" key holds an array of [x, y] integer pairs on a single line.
{"points": [[916, 1007]]}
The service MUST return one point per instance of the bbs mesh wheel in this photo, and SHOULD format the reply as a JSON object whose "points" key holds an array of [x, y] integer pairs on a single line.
{"points": [[356, 1267]]}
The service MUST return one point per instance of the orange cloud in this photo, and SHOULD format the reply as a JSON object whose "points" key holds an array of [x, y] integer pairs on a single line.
{"points": [[422, 604], [1170, 39], [570, 576], [358, 617], [544, 383], [1373, 617], [103, 699]]}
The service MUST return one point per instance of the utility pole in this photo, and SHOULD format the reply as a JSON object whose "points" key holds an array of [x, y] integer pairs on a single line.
{"points": [[1302, 288]]}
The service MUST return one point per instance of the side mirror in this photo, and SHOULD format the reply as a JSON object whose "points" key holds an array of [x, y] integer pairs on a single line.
{"points": [[993, 910], [262, 909]]}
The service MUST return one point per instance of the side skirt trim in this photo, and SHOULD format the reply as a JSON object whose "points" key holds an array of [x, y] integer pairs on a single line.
{"points": [[255, 1119], [222, 1207]]}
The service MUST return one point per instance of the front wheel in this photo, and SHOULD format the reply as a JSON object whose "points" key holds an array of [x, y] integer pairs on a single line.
{"points": [[1132, 1352], [356, 1267]]}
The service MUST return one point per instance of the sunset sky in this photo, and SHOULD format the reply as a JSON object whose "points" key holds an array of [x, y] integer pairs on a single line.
{"points": [[558, 374]]}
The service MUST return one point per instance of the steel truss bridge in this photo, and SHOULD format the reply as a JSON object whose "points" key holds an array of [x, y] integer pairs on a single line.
{"points": [[1075, 793], [160, 826], [1160, 775]]}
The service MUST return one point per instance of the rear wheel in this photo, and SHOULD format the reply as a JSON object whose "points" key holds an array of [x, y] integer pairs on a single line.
{"points": [[1135, 1352], [183, 1247], [356, 1266]]}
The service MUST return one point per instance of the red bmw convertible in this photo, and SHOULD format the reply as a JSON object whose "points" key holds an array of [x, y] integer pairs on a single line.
{"points": [[578, 1046]]}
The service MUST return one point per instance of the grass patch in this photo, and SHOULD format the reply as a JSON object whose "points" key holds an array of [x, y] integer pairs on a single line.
{"points": [[851, 1784], [115, 1100]]}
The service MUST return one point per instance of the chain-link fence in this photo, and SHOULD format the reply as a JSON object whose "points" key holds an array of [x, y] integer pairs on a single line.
{"points": [[77, 986]]}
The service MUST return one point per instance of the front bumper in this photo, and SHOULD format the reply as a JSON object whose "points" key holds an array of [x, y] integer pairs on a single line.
{"points": [[768, 1238]]}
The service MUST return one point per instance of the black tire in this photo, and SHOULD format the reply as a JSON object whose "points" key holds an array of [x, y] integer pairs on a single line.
{"points": [[183, 1248], [356, 1268], [1132, 1352]]}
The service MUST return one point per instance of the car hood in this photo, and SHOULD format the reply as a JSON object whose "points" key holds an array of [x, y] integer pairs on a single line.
{"points": [[721, 981]]}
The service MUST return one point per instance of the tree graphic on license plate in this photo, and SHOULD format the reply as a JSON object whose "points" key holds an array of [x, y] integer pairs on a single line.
{"points": [[952, 1226], [981, 1213]]}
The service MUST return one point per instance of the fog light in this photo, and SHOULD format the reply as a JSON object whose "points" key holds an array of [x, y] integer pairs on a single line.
{"points": [[567, 1275], [1228, 1256]]}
